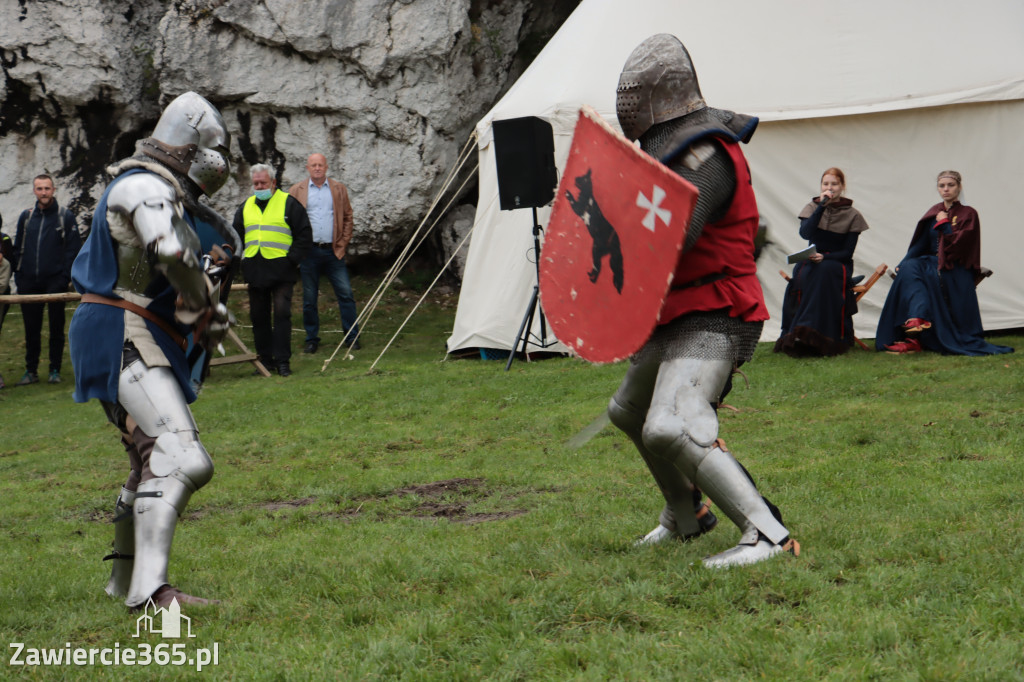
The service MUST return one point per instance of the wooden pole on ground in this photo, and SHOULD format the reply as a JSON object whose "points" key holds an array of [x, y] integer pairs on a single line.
{"points": [[245, 356]]}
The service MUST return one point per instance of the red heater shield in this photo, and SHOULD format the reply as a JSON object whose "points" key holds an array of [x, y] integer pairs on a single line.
{"points": [[617, 226]]}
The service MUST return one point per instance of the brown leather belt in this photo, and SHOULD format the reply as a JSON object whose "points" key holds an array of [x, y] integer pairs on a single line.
{"points": [[141, 312]]}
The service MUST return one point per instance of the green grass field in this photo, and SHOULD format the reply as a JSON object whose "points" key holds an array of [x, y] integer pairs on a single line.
{"points": [[428, 521]]}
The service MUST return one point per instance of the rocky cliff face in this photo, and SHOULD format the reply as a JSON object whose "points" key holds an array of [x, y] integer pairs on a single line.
{"points": [[388, 90]]}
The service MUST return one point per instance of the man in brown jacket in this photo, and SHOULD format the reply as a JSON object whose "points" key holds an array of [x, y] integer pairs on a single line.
{"points": [[330, 214]]}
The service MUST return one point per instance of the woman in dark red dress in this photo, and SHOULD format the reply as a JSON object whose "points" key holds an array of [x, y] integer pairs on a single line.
{"points": [[932, 304]]}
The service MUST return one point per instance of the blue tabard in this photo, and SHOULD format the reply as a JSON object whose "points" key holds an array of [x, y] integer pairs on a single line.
{"points": [[96, 333]]}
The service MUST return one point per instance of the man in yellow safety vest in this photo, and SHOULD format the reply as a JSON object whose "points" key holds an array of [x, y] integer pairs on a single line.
{"points": [[277, 236]]}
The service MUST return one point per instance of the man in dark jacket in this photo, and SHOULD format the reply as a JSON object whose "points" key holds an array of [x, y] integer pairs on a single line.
{"points": [[6, 249], [45, 245], [277, 236]]}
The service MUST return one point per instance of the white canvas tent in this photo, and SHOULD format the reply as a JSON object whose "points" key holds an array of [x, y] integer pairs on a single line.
{"points": [[891, 92]]}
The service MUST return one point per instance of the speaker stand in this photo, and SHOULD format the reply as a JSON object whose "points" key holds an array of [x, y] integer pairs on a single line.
{"points": [[534, 307]]}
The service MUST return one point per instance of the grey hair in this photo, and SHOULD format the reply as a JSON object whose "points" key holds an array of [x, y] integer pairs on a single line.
{"points": [[261, 168]]}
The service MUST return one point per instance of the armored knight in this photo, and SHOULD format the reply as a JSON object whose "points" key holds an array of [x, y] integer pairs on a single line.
{"points": [[143, 289], [711, 319]]}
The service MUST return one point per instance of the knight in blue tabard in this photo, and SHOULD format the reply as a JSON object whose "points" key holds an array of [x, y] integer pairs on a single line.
{"points": [[144, 289]]}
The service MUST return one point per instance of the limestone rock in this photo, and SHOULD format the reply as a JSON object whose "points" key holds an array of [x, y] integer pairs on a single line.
{"points": [[388, 90], [454, 231]]}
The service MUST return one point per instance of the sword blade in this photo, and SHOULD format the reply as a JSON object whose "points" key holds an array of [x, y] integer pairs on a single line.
{"points": [[589, 431]]}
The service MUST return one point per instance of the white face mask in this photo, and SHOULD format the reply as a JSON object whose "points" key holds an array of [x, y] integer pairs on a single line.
{"points": [[263, 194]]}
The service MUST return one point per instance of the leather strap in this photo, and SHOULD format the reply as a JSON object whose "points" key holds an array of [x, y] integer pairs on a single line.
{"points": [[118, 555], [700, 281], [141, 312]]}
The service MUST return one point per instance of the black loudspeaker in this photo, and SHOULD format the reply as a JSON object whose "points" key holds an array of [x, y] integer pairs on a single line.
{"points": [[524, 150]]}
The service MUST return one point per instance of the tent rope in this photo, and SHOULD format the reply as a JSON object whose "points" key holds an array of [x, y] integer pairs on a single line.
{"points": [[422, 298], [413, 243]]}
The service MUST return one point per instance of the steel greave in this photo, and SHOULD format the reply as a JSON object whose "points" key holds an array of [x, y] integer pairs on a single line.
{"points": [[156, 510], [124, 545], [722, 478], [678, 514]]}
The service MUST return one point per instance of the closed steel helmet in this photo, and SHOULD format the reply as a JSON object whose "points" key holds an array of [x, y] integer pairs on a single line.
{"points": [[191, 138], [657, 84]]}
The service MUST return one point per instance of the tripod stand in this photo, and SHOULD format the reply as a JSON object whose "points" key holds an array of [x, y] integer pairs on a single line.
{"points": [[534, 307]]}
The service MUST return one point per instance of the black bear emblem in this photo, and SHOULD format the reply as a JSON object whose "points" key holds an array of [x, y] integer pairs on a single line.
{"points": [[606, 239]]}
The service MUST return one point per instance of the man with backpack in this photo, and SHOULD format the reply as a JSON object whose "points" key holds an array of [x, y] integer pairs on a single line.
{"points": [[45, 245]]}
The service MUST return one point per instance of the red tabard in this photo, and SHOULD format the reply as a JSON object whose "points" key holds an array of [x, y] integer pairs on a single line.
{"points": [[726, 246]]}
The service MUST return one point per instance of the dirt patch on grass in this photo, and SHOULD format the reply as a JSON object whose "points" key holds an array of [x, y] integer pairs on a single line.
{"points": [[97, 515], [284, 504], [195, 514], [345, 515], [440, 488], [447, 499], [456, 513], [966, 456]]}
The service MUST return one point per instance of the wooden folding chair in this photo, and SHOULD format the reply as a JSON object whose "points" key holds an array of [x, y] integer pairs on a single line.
{"points": [[863, 287], [860, 288]]}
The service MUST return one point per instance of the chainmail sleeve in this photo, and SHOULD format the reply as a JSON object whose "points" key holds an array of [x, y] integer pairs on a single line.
{"points": [[716, 180], [706, 165]]}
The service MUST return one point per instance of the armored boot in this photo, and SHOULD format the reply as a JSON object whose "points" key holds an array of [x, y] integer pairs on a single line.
{"points": [[182, 467], [729, 485], [668, 528]]}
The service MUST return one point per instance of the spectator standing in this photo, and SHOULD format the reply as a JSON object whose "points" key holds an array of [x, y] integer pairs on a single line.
{"points": [[330, 215], [277, 236], [46, 242], [6, 249]]}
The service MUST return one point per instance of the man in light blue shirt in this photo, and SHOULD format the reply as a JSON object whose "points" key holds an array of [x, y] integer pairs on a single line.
{"points": [[330, 213]]}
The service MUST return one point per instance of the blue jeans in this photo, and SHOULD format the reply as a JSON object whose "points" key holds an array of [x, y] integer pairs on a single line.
{"points": [[321, 261]]}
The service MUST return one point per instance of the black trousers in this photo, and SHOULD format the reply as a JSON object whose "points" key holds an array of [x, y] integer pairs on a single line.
{"points": [[270, 309], [33, 314], [4, 306]]}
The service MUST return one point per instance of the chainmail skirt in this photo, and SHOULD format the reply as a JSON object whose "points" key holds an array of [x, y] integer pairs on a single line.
{"points": [[706, 336]]}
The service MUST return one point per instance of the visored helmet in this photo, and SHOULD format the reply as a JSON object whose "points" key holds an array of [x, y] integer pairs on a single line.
{"points": [[657, 84], [193, 140]]}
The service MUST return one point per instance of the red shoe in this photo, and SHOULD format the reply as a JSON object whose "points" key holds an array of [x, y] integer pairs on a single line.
{"points": [[902, 347], [916, 324]]}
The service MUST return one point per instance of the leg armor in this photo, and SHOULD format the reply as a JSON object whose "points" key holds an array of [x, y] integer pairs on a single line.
{"points": [[682, 429], [174, 465], [628, 410], [124, 545], [123, 554]]}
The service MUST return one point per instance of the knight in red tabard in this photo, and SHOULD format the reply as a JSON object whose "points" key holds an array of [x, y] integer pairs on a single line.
{"points": [[712, 316]]}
